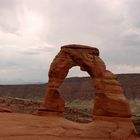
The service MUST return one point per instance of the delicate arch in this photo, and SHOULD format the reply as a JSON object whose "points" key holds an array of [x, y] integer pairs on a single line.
{"points": [[109, 99]]}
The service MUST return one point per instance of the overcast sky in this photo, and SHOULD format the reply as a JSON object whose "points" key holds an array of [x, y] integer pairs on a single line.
{"points": [[32, 32]]}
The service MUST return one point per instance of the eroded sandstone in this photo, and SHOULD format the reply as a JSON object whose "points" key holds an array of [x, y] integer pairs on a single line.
{"points": [[109, 99], [110, 104]]}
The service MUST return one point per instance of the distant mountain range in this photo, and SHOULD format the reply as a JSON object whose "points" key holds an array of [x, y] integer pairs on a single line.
{"points": [[72, 88]]}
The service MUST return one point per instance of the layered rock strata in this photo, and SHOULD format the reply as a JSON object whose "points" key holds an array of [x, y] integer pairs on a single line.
{"points": [[110, 102], [109, 99]]}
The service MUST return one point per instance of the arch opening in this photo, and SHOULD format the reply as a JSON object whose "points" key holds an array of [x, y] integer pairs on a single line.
{"points": [[78, 93]]}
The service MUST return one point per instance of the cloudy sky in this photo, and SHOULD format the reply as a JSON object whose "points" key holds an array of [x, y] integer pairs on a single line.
{"points": [[32, 32]]}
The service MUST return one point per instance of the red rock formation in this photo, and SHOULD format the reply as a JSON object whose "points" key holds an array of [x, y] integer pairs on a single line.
{"points": [[109, 99], [110, 103]]}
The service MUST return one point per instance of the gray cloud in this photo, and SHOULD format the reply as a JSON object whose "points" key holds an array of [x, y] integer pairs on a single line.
{"points": [[81, 21], [29, 53], [38, 50], [44, 48], [7, 64], [132, 40], [31, 33], [132, 13], [9, 17]]}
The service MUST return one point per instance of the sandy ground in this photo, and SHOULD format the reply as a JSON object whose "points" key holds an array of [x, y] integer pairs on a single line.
{"points": [[14, 126]]}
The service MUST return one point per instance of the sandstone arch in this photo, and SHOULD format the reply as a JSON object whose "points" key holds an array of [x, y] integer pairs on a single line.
{"points": [[109, 99]]}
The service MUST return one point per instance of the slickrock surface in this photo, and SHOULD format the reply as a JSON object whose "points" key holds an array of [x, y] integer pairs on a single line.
{"points": [[15, 126]]}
